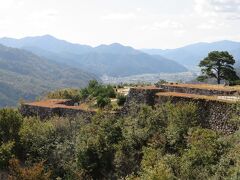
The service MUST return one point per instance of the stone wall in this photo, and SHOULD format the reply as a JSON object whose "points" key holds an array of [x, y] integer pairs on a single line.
{"points": [[142, 95], [47, 112], [199, 91], [213, 114]]}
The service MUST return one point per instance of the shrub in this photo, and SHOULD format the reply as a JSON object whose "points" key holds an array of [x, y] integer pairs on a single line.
{"points": [[234, 83], [121, 99], [73, 94], [35, 172], [160, 171], [37, 138], [103, 101], [10, 123], [6, 154], [110, 92], [160, 82], [203, 153], [95, 146], [180, 118]]}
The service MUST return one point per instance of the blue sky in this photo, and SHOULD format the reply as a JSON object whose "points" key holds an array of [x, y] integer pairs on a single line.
{"points": [[138, 23]]}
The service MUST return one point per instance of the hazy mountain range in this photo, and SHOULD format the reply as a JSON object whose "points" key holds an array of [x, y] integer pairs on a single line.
{"points": [[32, 66], [192, 54], [111, 60]]}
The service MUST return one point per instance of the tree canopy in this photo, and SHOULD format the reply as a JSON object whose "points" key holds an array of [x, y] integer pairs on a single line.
{"points": [[168, 141], [218, 65]]}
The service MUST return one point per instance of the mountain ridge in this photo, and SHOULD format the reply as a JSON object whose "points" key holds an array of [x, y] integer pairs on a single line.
{"points": [[191, 55], [25, 75], [112, 60]]}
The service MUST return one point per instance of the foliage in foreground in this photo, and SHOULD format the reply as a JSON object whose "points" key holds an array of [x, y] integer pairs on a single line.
{"points": [[164, 142], [35, 172]]}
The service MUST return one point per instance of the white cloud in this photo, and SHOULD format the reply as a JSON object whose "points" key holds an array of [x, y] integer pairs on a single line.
{"points": [[169, 27], [168, 24], [212, 24], [227, 6], [205, 26], [180, 32], [43, 17], [119, 16], [6, 4], [51, 12], [228, 9]]}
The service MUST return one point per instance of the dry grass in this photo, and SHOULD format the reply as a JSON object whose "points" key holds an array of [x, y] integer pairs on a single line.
{"points": [[207, 86], [50, 103], [59, 103], [192, 96], [146, 87]]}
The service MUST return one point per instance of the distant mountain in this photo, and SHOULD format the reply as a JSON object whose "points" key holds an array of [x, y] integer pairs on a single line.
{"points": [[25, 75], [111, 60], [125, 64], [116, 48], [47, 43], [192, 54]]}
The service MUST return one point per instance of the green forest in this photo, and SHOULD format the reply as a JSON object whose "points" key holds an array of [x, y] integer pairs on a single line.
{"points": [[120, 90], [162, 142]]}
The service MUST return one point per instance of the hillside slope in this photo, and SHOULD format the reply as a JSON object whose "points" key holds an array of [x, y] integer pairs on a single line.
{"points": [[25, 75], [112, 60]]}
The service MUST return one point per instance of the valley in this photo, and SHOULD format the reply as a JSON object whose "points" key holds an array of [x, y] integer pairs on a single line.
{"points": [[31, 66], [151, 78]]}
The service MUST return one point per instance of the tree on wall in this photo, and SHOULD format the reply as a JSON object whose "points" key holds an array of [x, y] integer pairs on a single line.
{"points": [[218, 65]]}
